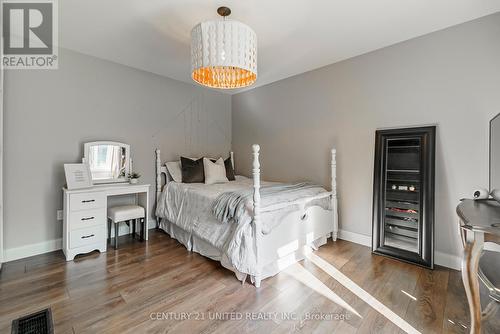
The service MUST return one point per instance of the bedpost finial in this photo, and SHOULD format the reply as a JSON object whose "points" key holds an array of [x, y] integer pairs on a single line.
{"points": [[256, 148]]}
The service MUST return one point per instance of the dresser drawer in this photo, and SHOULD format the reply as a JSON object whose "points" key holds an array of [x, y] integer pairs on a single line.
{"points": [[87, 218], [86, 201], [87, 236]]}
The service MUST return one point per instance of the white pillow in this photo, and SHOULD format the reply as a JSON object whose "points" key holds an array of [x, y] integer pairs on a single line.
{"points": [[215, 172], [174, 169]]}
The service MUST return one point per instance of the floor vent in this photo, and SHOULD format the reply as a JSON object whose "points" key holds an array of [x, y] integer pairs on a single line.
{"points": [[36, 323]]}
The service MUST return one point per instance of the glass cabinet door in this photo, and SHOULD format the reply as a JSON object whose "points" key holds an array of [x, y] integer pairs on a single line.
{"points": [[402, 193]]}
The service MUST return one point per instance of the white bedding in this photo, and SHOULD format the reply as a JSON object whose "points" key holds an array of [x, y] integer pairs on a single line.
{"points": [[189, 206]]}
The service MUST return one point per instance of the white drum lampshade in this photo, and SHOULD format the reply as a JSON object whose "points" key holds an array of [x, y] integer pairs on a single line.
{"points": [[223, 53]]}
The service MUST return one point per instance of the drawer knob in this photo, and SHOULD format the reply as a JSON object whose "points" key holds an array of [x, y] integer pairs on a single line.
{"points": [[88, 218], [88, 201], [87, 236]]}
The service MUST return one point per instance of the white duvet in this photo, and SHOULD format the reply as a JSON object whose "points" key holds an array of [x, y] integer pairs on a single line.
{"points": [[189, 206]]}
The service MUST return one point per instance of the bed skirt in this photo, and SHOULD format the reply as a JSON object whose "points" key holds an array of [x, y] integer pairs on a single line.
{"points": [[200, 246]]}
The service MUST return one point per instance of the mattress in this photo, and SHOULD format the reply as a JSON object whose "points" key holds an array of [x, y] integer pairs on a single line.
{"points": [[189, 207]]}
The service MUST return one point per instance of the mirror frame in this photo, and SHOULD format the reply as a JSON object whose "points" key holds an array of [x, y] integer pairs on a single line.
{"points": [[489, 153], [86, 149]]}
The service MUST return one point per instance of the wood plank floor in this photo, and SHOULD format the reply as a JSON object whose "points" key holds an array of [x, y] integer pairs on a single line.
{"points": [[159, 287]]}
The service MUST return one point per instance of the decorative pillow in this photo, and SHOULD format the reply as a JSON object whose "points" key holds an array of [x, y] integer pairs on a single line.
{"points": [[192, 170], [229, 169], [175, 171], [215, 172]]}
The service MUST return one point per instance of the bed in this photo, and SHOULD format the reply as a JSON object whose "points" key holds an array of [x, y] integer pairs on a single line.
{"points": [[269, 229]]}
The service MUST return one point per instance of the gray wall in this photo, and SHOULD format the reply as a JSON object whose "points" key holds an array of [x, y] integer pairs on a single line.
{"points": [[50, 114], [450, 78]]}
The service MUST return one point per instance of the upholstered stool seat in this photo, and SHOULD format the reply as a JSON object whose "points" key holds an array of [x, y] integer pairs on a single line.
{"points": [[125, 212], [128, 214]]}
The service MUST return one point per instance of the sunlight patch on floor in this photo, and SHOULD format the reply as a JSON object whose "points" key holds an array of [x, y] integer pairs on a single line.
{"points": [[407, 294], [305, 277], [362, 294]]}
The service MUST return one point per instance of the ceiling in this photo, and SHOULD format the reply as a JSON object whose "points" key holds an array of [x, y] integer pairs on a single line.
{"points": [[294, 36]]}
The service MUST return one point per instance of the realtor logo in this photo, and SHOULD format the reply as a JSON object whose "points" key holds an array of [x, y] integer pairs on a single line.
{"points": [[29, 34]]}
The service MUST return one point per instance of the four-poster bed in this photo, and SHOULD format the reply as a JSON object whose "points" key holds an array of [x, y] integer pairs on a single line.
{"points": [[280, 227]]}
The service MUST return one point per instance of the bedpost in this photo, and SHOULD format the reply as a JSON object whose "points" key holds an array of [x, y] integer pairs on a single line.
{"points": [[334, 195], [256, 209], [231, 154], [158, 175]]}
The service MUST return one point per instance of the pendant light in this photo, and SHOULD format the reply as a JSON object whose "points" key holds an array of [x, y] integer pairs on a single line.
{"points": [[223, 53]]}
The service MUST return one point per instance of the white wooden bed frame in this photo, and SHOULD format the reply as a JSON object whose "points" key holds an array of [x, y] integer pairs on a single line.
{"points": [[305, 226]]}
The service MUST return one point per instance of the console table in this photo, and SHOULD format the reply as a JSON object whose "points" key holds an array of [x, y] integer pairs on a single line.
{"points": [[479, 223], [85, 216]]}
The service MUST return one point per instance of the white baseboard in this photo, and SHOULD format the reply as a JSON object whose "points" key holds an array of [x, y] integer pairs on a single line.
{"points": [[124, 229], [448, 260], [151, 223], [22, 252], [442, 259], [357, 238], [11, 254]]}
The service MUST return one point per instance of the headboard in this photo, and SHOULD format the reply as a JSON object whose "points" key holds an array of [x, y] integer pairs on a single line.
{"points": [[161, 169]]}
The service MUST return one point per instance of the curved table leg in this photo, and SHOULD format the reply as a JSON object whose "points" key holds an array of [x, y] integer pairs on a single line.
{"points": [[470, 265]]}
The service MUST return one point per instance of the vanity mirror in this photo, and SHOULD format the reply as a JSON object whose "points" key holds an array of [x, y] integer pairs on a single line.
{"points": [[109, 161]]}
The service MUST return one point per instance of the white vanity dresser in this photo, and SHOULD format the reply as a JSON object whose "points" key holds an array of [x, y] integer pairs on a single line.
{"points": [[85, 216], [85, 225]]}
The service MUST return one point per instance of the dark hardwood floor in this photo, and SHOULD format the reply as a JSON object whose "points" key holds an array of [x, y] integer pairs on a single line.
{"points": [[152, 287]]}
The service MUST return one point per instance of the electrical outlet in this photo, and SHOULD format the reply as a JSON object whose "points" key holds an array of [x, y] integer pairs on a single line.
{"points": [[59, 214]]}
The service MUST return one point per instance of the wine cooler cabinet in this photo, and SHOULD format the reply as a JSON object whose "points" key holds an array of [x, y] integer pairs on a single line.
{"points": [[403, 194]]}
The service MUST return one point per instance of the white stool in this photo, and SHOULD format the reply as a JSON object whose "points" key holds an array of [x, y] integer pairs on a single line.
{"points": [[125, 214]]}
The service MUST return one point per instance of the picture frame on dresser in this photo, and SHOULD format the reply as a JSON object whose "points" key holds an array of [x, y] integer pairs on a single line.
{"points": [[77, 176]]}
